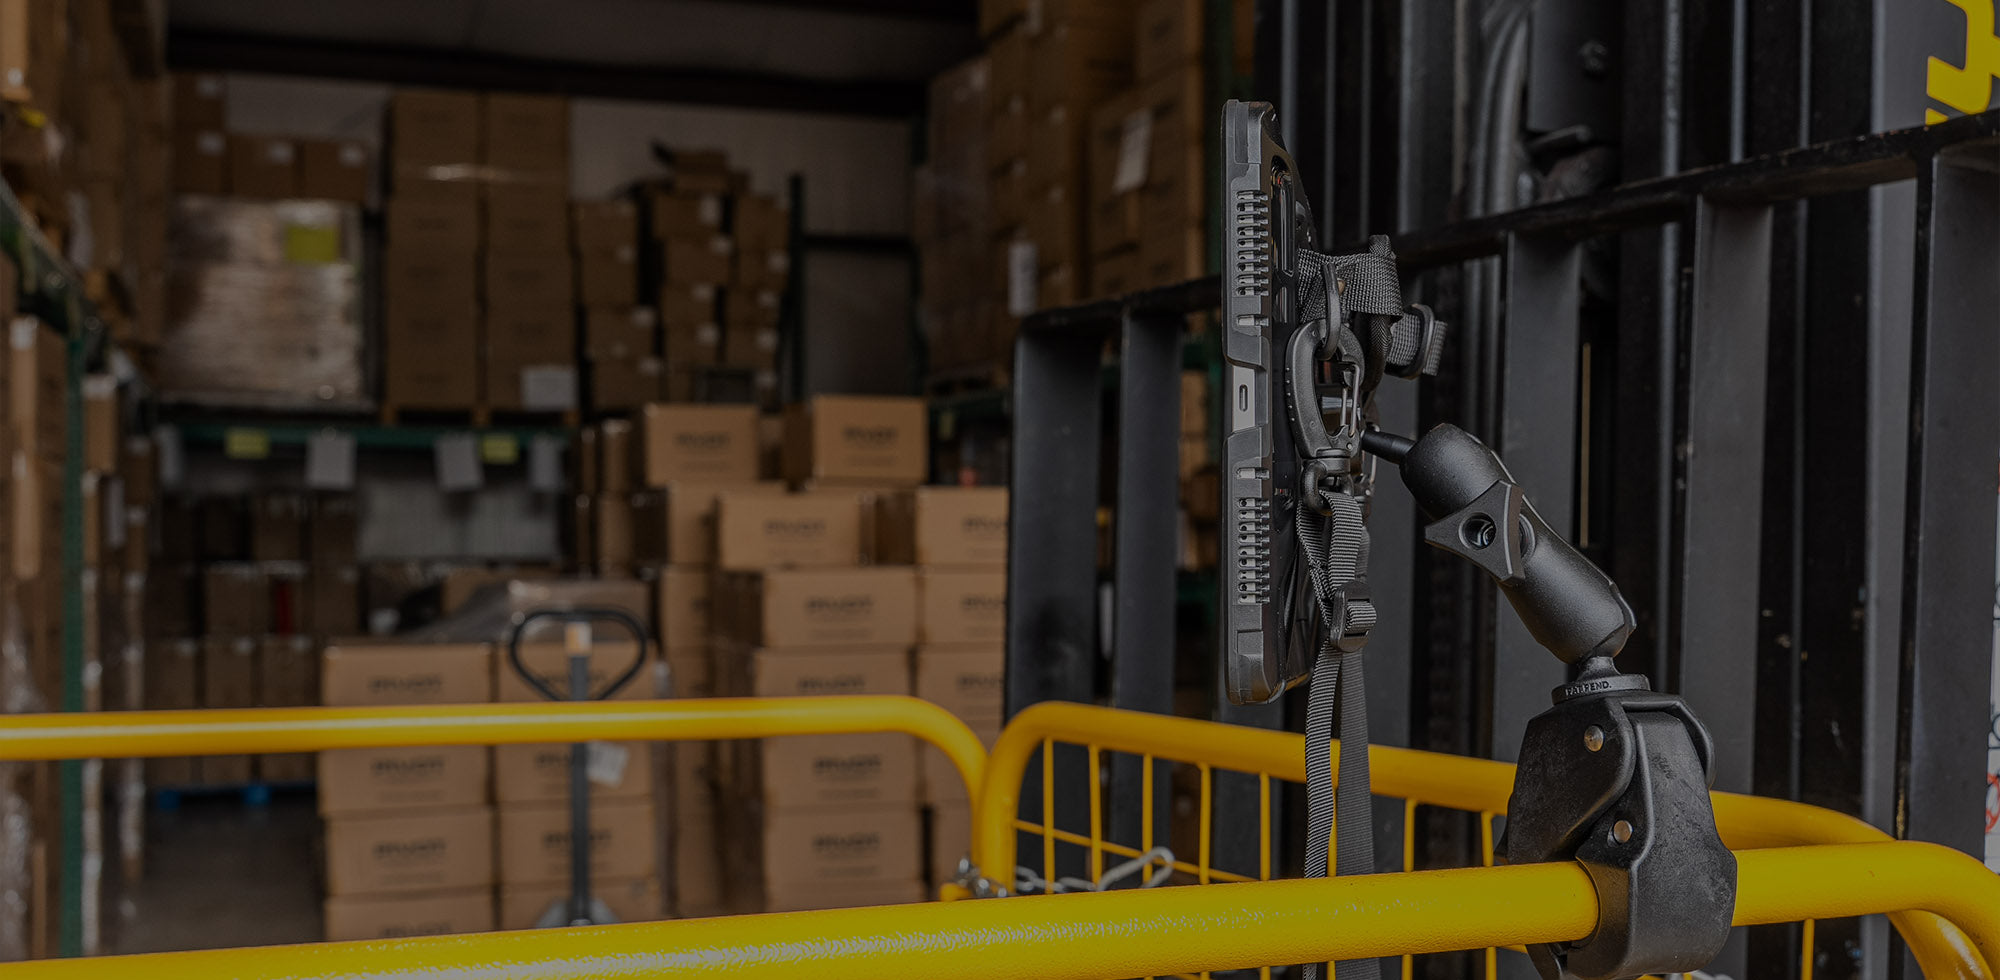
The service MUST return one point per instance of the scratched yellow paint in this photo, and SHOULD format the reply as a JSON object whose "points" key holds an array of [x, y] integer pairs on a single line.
{"points": [[1968, 87]]}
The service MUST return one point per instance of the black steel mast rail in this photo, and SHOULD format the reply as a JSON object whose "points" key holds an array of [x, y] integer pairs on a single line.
{"points": [[1822, 168]]}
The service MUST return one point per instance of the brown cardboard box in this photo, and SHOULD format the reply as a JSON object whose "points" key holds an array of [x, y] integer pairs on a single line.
{"points": [[620, 333], [838, 849], [609, 276], [969, 682], [534, 841], [1169, 35], [705, 260], [278, 527], [421, 850], [550, 662], [334, 170], [431, 358], [748, 306], [811, 529], [334, 606], [199, 100], [365, 917], [201, 161], [374, 780], [532, 218], [526, 137], [38, 375], [366, 672], [676, 524], [761, 222], [620, 385], [425, 279], [962, 605], [602, 226], [950, 840], [686, 215], [263, 166], [819, 607], [687, 304], [695, 866], [522, 906], [615, 456], [173, 681], [696, 346], [942, 526], [752, 347], [759, 268], [884, 441], [530, 278], [939, 780], [681, 608], [425, 227], [287, 672], [696, 442], [228, 680], [100, 423], [236, 600], [429, 129], [539, 772], [612, 536]]}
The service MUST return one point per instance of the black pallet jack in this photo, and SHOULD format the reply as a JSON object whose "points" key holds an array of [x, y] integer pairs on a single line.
{"points": [[579, 908]]}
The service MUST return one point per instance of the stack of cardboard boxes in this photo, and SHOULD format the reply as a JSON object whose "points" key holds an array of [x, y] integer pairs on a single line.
{"points": [[952, 225], [478, 294], [718, 258], [409, 831], [240, 593], [621, 363], [1148, 185], [210, 159], [1201, 487], [821, 822], [957, 539]]}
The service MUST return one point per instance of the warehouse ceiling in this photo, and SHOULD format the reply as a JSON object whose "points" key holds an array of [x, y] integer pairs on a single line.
{"points": [[839, 55]]}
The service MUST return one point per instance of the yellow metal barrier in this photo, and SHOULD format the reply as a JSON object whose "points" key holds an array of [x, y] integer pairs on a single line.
{"points": [[133, 734], [1478, 786], [1118, 934]]}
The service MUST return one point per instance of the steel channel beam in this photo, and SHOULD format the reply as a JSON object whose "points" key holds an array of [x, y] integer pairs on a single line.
{"points": [[1947, 631], [1052, 556], [1539, 352], [1147, 526]]}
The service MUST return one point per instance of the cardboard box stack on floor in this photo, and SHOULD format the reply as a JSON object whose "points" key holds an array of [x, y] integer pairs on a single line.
{"points": [[409, 831], [830, 821], [478, 288], [240, 594], [957, 539]]}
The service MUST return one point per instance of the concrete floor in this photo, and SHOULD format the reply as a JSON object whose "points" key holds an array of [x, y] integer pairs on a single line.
{"points": [[220, 873]]}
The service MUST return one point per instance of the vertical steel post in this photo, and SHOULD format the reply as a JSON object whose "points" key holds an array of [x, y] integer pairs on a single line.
{"points": [[1540, 356], [1947, 632], [1147, 529]]}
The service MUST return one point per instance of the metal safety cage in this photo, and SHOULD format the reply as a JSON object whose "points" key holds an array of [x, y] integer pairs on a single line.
{"points": [[1266, 759]]}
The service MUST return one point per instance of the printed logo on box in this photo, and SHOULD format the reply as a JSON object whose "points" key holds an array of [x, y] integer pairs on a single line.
{"points": [[406, 684], [857, 844], [789, 527], [836, 684], [409, 851], [840, 606], [847, 767], [871, 436]]}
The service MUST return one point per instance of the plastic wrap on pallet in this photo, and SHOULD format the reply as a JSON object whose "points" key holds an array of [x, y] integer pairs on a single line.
{"points": [[264, 305]]}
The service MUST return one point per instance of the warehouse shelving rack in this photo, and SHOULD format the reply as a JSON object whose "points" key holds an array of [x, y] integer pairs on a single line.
{"points": [[52, 291]]}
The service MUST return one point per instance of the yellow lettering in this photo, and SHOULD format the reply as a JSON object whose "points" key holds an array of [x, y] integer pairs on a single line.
{"points": [[1970, 88]]}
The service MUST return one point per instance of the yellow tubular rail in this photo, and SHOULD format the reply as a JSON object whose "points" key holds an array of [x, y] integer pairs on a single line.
{"points": [[132, 734], [1422, 778], [1137, 932]]}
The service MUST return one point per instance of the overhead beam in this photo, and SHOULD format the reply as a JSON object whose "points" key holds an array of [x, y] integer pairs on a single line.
{"points": [[201, 50], [942, 11]]}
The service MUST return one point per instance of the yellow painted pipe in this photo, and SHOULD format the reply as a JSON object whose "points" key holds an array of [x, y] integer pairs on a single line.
{"points": [[133, 734], [1429, 778], [1092, 936]]}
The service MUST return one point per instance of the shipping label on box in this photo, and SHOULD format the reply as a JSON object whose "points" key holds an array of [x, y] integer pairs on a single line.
{"points": [[816, 528], [550, 663], [415, 851], [962, 605], [882, 441], [370, 780], [366, 673], [524, 906], [828, 607], [942, 526], [539, 772], [696, 442], [535, 841], [681, 612], [365, 917]]}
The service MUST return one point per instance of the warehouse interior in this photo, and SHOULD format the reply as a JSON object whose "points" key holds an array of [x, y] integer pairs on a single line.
{"points": [[881, 406]]}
